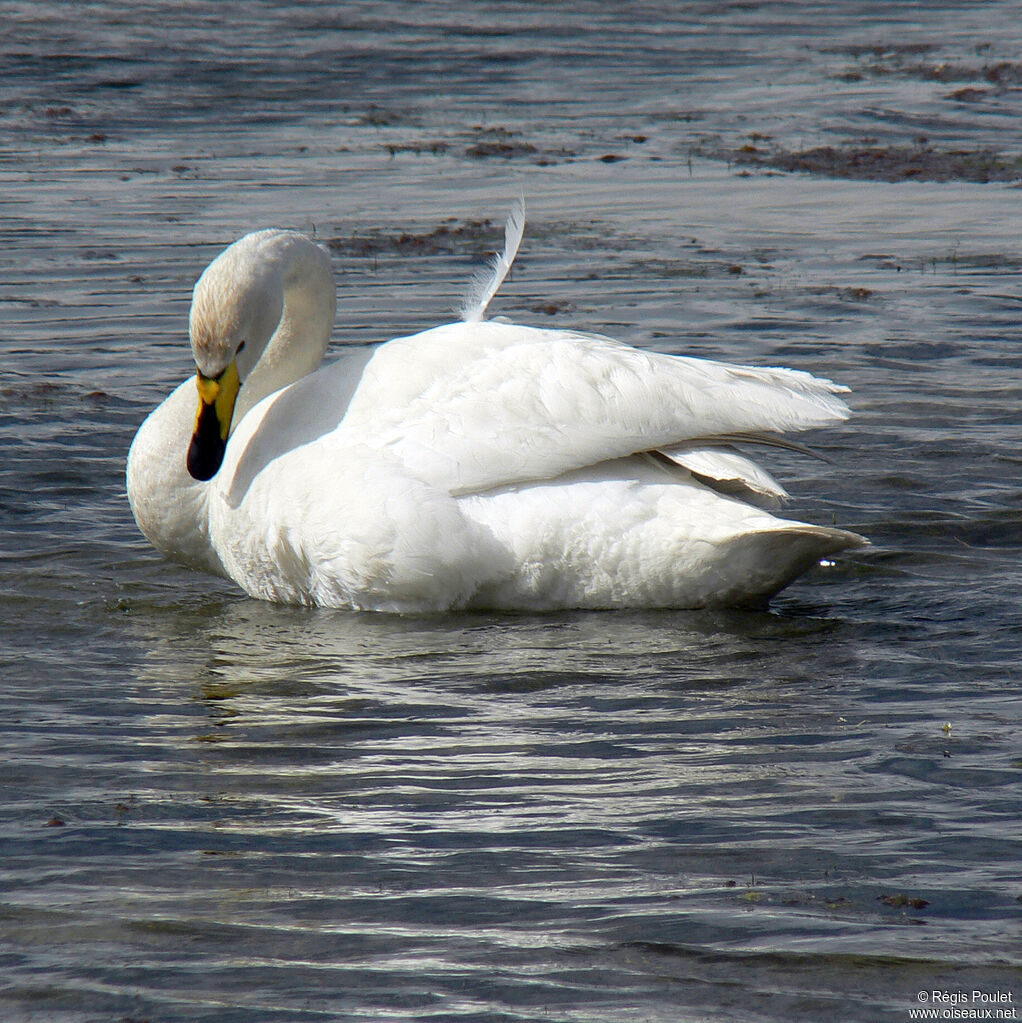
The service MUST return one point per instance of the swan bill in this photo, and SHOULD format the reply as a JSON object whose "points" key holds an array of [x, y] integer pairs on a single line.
{"points": [[217, 396]]}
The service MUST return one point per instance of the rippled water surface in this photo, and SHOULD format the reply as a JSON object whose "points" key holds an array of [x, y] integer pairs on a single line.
{"points": [[215, 809]]}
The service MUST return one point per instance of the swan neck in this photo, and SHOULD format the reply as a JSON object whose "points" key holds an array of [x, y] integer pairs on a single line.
{"points": [[306, 297]]}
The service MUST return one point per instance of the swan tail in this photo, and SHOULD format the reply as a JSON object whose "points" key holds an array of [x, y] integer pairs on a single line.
{"points": [[755, 566], [487, 281]]}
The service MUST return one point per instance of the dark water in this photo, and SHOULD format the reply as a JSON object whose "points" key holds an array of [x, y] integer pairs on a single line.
{"points": [[220, 810]]}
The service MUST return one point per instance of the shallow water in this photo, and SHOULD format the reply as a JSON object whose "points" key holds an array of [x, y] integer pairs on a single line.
{"points": [[216, 809]]}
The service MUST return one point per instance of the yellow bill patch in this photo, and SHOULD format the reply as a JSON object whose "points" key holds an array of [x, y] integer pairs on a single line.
{"points": [[220, 393]]}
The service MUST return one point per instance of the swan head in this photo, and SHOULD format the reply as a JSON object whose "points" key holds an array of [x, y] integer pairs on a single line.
{"points": [[236, 306]]}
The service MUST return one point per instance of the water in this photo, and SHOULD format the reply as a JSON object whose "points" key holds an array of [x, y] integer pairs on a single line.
{"points": [[216, 809]]}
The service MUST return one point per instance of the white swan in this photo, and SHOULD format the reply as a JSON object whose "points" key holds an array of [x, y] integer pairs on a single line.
{"points": [[475, 465]]}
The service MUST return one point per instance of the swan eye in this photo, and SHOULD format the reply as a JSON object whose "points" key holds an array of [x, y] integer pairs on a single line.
{"points": [[239, 348]]}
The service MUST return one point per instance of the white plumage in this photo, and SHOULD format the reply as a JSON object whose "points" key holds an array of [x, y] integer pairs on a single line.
{"points": [[477, 464]]}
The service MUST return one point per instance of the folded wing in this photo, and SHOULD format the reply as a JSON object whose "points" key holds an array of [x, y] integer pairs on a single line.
{"points": [[472, 406]]}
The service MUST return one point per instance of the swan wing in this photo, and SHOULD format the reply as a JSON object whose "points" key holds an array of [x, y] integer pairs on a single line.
{"points": [[472, 406]]}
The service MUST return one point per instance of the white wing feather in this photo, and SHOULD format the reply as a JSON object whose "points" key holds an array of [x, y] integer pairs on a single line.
{"points": [[729, 467], [487, 281]]}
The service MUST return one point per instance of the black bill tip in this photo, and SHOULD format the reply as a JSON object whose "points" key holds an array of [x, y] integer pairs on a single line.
{"points": [[206, 451]]}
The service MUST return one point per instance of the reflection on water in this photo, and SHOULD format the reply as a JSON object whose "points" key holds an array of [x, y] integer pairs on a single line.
{"points": [[585, 809], [216, 809]]}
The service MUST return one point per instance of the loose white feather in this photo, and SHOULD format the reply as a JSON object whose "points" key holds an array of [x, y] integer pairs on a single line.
{"points": [[486, 282]]}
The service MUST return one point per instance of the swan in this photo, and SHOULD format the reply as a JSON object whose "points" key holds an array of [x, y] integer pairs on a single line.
{"points": [[479, 464]]}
